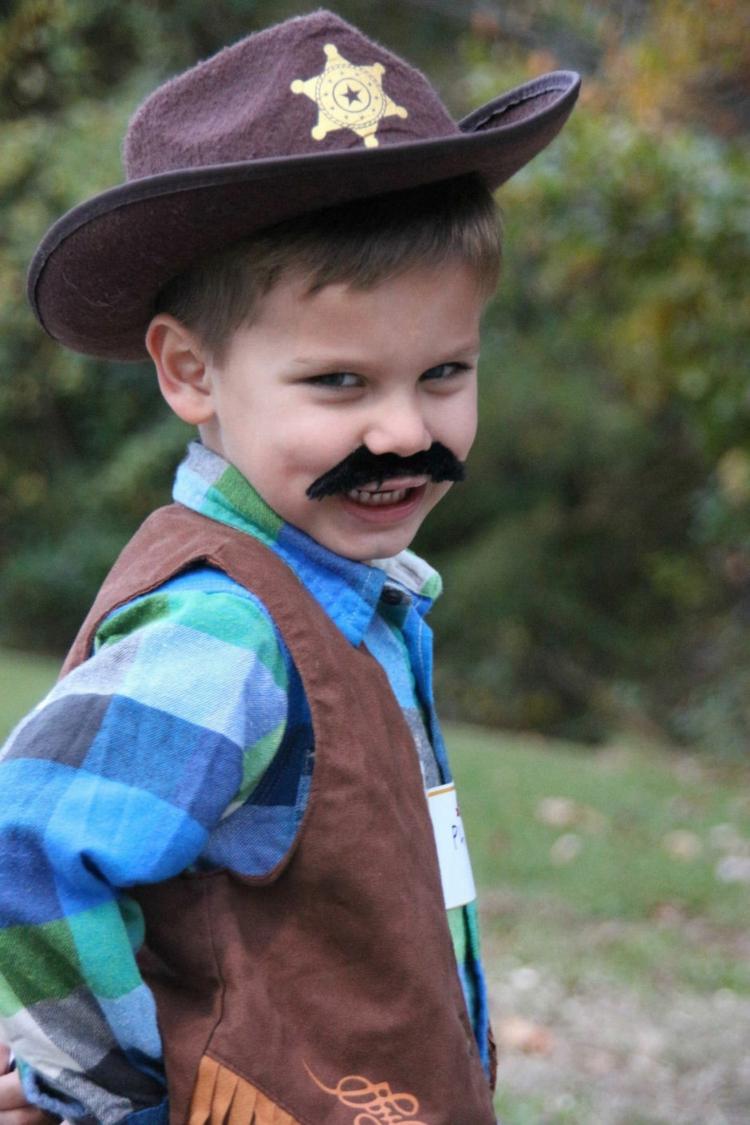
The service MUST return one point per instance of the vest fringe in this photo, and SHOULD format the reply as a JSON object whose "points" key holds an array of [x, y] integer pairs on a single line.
{"points": [[221, 1097]]}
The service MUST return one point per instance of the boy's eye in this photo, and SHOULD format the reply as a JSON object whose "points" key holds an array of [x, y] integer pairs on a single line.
{"points": [[444, 371], [335, 379]]}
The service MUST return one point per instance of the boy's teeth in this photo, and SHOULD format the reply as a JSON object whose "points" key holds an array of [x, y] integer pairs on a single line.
{"points": [[392, 496]]}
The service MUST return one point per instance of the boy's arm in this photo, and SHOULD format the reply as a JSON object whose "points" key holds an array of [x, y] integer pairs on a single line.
{"points": [[116, 780], [14, 1108]]}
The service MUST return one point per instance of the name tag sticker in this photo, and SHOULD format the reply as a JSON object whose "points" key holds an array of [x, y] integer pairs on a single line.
{"points": [[453, 854]]}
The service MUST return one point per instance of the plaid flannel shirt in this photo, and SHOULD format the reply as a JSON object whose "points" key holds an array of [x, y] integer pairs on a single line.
{"points": [[184, 742]]}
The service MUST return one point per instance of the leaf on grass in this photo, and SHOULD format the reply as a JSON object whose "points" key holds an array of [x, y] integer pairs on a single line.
{"points": [[518, 1034], [682, 845], [566, 848], [563, 812]]}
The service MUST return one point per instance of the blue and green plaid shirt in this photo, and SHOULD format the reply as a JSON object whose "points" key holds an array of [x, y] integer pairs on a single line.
{"points": [[184, 742]]}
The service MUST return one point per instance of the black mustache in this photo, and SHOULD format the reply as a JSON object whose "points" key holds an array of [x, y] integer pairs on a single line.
{"points": [[363, 467]]}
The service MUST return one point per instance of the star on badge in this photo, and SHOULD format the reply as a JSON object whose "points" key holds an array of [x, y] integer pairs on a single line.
{"points": [[348, 97]]}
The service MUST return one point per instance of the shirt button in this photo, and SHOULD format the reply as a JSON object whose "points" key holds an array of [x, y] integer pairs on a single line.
{"points": [[392, 596]]}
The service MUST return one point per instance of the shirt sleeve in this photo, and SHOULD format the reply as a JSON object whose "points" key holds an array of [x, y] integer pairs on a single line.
{"points": [[117, 778]]}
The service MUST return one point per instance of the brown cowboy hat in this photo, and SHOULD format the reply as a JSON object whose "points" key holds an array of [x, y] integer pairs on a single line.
{"points": [[293, 119]]}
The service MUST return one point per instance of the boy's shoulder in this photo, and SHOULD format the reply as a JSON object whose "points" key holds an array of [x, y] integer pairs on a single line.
{"points": [[199, 610]]}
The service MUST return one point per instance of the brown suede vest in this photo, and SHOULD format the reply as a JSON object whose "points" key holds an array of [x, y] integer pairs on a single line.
{"points": [[325, 991]]}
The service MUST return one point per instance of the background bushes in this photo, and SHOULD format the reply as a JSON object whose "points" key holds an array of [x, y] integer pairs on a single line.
{"points": [[597, 563]]}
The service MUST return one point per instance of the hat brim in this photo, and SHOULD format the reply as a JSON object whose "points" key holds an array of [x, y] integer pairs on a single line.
{"points": [[95, 276]]}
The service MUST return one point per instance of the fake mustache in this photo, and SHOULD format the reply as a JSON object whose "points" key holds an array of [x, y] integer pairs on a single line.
{"points": [[363, 467]]}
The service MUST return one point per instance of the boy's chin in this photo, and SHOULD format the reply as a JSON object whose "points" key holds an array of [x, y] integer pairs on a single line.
{"points": [[367, 541], [366, 548]]}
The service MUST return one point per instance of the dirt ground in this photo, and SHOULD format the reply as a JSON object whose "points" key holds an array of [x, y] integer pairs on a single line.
{"points": [[606, 1055]]}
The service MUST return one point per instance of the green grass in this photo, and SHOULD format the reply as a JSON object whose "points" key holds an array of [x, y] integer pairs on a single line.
{"points": [[536, 1110], [623, 914], [24, 679], [620, 897]]}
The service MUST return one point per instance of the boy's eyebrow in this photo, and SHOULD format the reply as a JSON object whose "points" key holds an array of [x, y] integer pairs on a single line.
{"points": [[346, 359]]}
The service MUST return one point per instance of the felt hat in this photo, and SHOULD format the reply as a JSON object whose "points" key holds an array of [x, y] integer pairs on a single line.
{"points": [[299, 117]]}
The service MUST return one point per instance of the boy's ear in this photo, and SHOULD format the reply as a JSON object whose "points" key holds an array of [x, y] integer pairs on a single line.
{"points": [[181, 368]]}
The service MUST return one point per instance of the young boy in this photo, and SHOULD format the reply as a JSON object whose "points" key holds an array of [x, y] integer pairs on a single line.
{"points": [[223, 895]]}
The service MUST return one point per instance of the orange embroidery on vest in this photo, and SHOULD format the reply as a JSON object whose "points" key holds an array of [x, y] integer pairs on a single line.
{"points": [[379, 1105]]}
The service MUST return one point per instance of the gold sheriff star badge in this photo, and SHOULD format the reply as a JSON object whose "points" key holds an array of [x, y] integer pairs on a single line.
{"points": [[348, 97]]}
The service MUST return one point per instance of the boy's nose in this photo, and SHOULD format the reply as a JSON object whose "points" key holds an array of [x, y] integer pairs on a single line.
{"points": [[399, 429]]}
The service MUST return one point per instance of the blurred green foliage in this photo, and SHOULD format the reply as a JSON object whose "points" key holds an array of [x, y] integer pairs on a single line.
{"points": [[604, 570], [598, 562]]}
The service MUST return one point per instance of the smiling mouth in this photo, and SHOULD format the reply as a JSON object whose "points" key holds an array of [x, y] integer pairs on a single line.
{"points": [[381, 499], [388, 494]]}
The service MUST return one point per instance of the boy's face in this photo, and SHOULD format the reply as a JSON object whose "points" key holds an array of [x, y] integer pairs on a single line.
{"points": [[316, 376]]}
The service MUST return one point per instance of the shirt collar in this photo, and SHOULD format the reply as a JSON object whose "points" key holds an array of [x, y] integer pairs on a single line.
{"points": [[348, 591]]}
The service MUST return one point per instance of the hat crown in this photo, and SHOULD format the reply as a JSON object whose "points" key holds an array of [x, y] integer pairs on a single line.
{"points": [[312, 84], [307, 115]]}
